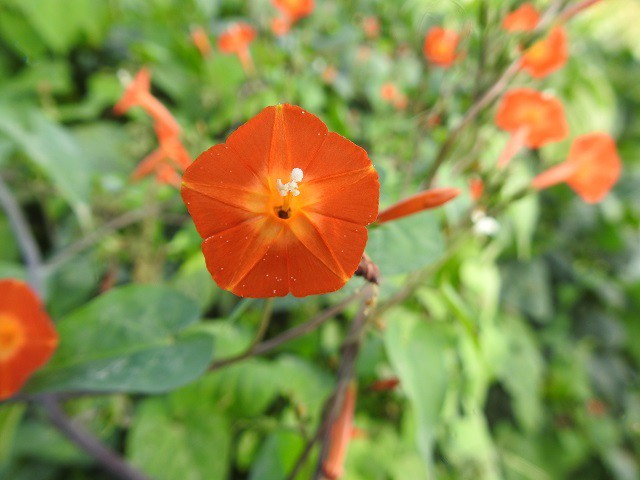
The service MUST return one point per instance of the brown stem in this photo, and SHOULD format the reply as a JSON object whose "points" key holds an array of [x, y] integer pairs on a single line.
{"points": [[87, 442]]}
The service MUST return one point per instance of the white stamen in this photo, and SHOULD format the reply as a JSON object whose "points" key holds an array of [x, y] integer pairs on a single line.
{"points": [[291, 187]]}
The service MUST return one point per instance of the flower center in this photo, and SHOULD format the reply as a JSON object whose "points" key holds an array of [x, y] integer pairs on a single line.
{"points": [[287, 191], [11, 336]]}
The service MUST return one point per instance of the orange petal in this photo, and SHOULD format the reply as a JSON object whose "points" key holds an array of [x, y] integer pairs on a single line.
{"points": [[422, 201], [140, 85], [27, 336], [523, 19], [598, 166], [148, 164], [547, 55], [295, 9], [440, 46]]}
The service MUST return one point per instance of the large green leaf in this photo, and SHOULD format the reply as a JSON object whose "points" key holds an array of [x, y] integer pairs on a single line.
{"points": [[190, 445], [417, 352], [278, 456], [128, 340], [406, 245]]}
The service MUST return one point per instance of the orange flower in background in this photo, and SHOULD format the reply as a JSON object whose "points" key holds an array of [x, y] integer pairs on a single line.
{"points": [[27, 336], [236, 39], [329, 74], [201, 40], [476, 188], [282, 205], [389, 91], [523, 19], [533, 119], [138, 93], [295, 9], [280, 26], [591, 169], [422, 201], [440, 46], [342, 431], [164, 160], [547, 55], [371, 26]]}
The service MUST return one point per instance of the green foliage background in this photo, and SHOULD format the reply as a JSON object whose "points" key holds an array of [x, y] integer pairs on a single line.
{"points": [[517, 354]]}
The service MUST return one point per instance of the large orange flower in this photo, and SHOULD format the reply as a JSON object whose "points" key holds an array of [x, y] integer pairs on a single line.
{"points": [[282, 205], [591, 169], [27, 336], [547, 55], [440, 46], [533, 119]]}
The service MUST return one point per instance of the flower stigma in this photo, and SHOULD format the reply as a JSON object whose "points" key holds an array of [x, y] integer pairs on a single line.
{"points": [[288, 190]]}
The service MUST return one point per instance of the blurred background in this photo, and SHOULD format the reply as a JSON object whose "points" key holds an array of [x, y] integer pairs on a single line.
{"points": [[515, 345]]}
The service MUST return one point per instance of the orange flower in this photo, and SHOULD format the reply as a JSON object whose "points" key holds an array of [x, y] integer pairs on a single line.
{"points": [[440, 46], [422, 201], [371, 26], [476, 187], [27, 336], [201, 40], [236, 40], [138, 93], [533, 118], [170, 149], [389, 91], [295, 9], [329, 74], [547, 55], [524, 19], [591, 169], [341, 433], [282, 205], [280, 26]]}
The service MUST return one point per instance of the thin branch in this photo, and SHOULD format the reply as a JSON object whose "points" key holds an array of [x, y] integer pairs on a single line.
{"points": [[87, 442], [291, 334], [26, 242]]}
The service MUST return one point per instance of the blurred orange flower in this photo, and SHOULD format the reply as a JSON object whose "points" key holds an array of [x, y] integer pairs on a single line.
{"points": [[171, 149], [295, 9], [201, 40], [523, 19], [371, 26], [547, 55], [236, 39], [591, 169], [440, 46], [533, 118], [421, 201], [476, 188], [138, 93], [282, 205], [341, 433], [27, 336], [280, 26], [389, 91]]}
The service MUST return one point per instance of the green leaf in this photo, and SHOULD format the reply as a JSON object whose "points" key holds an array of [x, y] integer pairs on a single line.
{"points": [[128, 340], [406, 245], [10, 416], [417, 352], [278, 456], [191, 445]]}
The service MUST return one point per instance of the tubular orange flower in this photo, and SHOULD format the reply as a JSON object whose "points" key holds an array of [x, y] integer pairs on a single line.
{"points": [[201, 40], [421, 201], [523, 19], [138, 93], [591, 169], [440, 46], [341, 434], [547, 55], [27, 336], [533, 119], [295, 9], [282, 205], [236, 40]]}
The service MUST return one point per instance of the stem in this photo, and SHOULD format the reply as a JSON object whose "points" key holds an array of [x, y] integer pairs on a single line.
{"points": [[291, 334], [87, 442], [264, 323], [26, 241]]}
